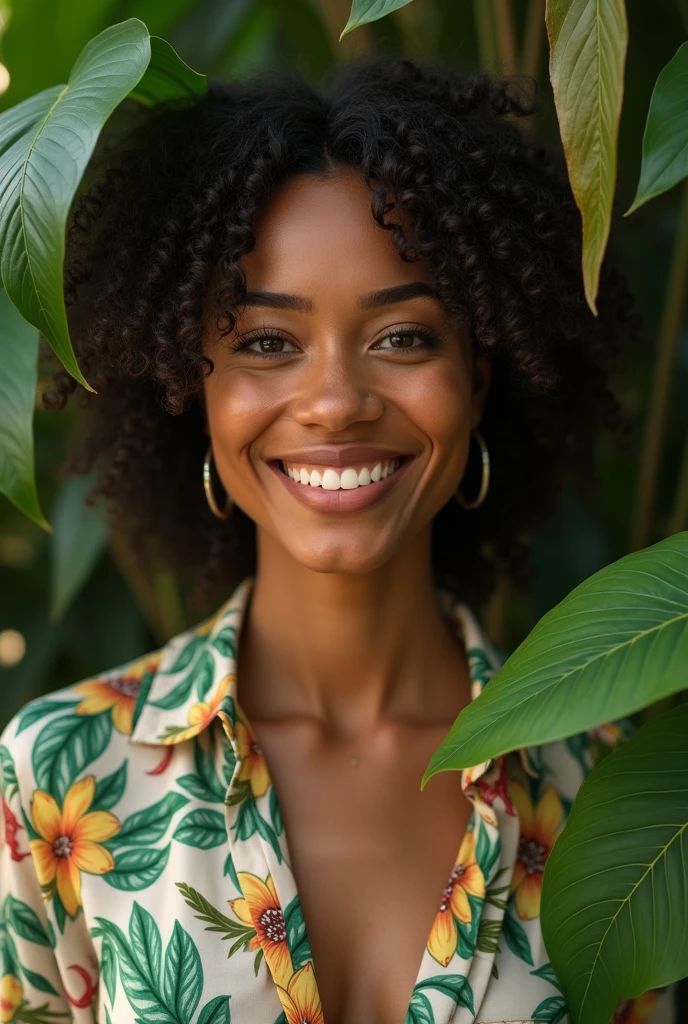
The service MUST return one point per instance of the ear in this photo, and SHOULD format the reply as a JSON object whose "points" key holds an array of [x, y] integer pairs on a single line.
{"points": [[482, 378]]}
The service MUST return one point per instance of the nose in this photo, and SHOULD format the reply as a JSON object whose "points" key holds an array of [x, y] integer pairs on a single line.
{"points": [[336, 390]]}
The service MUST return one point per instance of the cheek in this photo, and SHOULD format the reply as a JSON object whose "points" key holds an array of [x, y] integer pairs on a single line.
{"points": [[439, 402], [240, 406]]}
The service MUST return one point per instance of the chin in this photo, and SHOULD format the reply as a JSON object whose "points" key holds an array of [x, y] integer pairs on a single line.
{"points": [[340, 558]]}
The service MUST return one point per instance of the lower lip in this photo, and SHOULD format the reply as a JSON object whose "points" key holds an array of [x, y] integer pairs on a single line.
{"points": [[342, 500]]}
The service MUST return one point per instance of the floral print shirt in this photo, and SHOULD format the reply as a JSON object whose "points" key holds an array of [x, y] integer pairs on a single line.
{"points": [[145, 875]]}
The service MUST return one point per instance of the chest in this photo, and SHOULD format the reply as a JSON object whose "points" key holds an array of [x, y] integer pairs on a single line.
{"points": [[371, 857]]}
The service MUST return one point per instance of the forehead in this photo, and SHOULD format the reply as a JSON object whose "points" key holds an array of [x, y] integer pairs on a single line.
{"points": [[320, 232]]}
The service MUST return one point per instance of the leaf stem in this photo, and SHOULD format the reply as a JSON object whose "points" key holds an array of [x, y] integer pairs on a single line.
{"points": [[533, 38], [679, 514], [485, 33], [658, 409], [505, 31]]}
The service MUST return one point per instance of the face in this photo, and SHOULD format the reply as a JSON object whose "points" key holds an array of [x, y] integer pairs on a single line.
{"points": [[343, 370]]}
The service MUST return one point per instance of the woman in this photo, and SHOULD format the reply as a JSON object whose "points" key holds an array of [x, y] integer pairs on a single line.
{"points": [[343, 361]]}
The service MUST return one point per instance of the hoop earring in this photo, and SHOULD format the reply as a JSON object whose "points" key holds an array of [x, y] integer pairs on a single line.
{"points": [[484, 483], [208, 487]]}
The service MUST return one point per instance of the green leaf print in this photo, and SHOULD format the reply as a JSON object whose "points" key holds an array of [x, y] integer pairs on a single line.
{"points": [[8, 774], [420, 1010], [143, 828], [108, 968], [481, 669], [187, 654], [468, 933], [146, 942], [225, 642], [516, 939], [202, 829], [216, 1011], [177, 696], [488, 850], [137, 869], [275, 813], [230, 870], [23, 920], [552, 1010], [488, 933], [37, 709], [139, 962], [65, 746], [215, 920], [249, 821], [204, 674], [183, 974], [39, 1015], [297, 940], [455, 986], [110, 789], [59, 912], [546, 972], [38, 981]]}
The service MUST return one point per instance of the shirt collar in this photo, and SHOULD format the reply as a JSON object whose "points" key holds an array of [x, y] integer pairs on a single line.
{"points": [[193, 678]]}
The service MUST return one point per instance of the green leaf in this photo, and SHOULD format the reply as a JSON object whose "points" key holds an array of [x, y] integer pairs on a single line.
{"points": [[78, 540], [109, 789], [65, 747], [146, 943], [615, 891], [552, 1010], [137, 869], [39, 982], [167, 78], [516, 938], [142, 995], [108, 968], [665, 141], [588, 42], [202, 828], [216, 1011], [41, 708], [45, 145], [143, 828], [18, 378], [420, 1010], [25, 922], [183, 974], [618, 642], [365, 11]]}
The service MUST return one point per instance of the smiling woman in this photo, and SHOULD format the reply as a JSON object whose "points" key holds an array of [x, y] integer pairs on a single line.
{"points": [[343, 361]]}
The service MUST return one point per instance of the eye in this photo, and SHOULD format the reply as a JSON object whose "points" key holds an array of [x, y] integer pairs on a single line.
{"points": [[268, 344], [402, 339]]}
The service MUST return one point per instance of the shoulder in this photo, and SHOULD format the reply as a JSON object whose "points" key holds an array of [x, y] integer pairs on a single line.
{"points": [[53, 737]]}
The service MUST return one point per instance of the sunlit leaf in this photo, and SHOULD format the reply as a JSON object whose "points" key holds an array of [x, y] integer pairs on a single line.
{"points": [[365, 11], [18, 377], [45, 145], [78, 540], [588, 42], [665, 142], [617, 643], [615, 894]]}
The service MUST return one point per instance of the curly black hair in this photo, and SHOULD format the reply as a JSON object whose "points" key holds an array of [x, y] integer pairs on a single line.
{"points": [[491, 212]]}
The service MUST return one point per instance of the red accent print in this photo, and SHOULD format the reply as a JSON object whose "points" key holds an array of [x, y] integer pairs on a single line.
{"points": [[490, 790], [164, 764], [87, 998], [12, 826]]}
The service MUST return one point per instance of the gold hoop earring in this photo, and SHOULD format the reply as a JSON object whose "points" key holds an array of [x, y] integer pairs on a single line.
{"points": [[484, 483], [208, 487]]}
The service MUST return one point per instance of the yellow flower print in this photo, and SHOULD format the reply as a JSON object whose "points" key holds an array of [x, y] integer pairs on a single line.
{"points": [[70, 841], [465, 880], [540, 826], [301, 1000], [253, 766], [261, 908], [118, 693], [11, 993], [201, 713]]}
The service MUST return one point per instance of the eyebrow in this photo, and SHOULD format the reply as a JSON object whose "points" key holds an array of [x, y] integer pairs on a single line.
{"points": [[383, 297]]}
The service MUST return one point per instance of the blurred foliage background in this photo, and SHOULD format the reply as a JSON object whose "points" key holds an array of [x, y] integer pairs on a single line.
{"points": [[62, 622]]}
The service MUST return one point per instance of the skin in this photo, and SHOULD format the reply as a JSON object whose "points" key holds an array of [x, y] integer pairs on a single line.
{"points": [[348, 670]]}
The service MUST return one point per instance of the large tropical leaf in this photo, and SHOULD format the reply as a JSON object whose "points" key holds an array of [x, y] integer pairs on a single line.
{"points": [[45, 145], [79, 537], [588, 42], [665, 142], [618, 642], [364, 11], [18, 376], [615, 893]]}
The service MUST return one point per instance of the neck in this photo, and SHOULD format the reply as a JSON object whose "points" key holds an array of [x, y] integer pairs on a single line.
{"points": [[350, 649]]}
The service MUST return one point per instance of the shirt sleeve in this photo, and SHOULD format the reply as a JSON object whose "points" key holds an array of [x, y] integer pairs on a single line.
{"points": [[29, 976]]}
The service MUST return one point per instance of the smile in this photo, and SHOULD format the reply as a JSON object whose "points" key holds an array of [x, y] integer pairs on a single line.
{"points": [[347, 490]]}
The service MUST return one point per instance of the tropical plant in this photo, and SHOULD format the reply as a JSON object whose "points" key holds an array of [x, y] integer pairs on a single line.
{"points": [[615, 890]]}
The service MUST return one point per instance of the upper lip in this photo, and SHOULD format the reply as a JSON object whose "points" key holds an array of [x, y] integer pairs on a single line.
{"points": [[341, 455]]}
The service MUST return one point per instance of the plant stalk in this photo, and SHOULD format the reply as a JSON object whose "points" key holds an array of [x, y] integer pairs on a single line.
{"points": [[533, 38], [658, 409], [679, 514], [505, 32], [485, 33]]}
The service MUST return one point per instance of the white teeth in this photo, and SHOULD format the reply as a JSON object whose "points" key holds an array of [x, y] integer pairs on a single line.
{"points": [[347, 480]]}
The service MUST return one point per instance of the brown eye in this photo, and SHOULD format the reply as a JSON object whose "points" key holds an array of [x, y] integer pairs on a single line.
{"points": [[405, 337]]}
